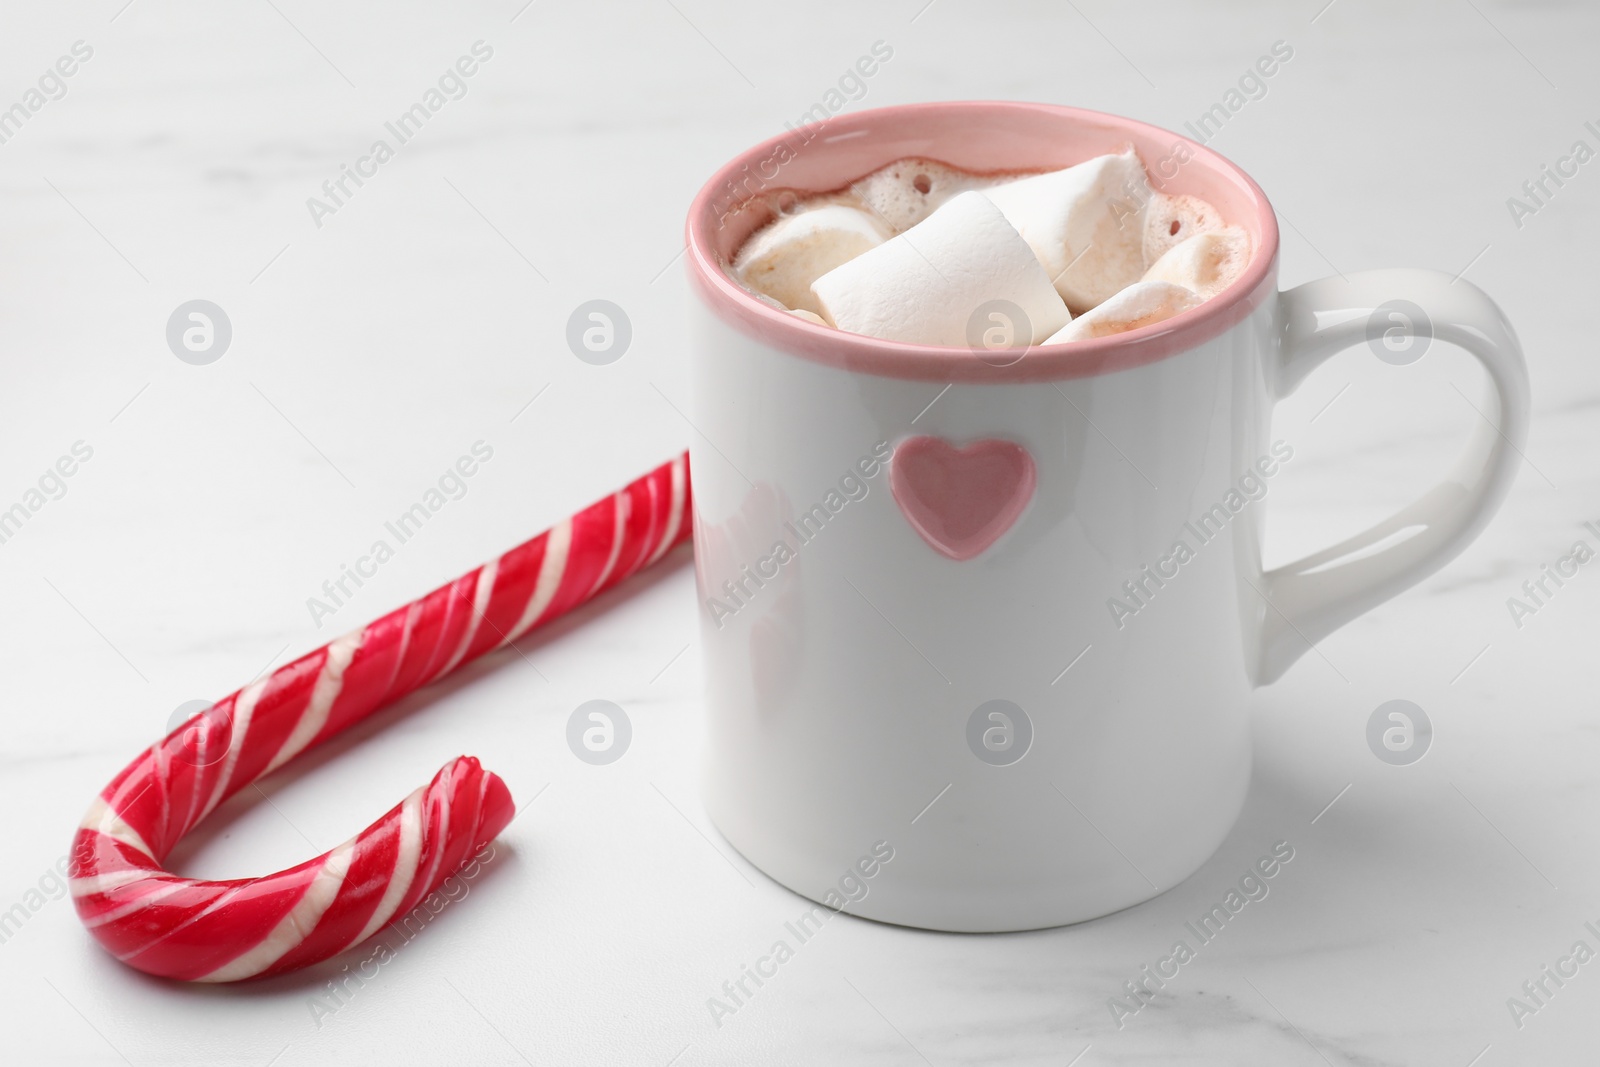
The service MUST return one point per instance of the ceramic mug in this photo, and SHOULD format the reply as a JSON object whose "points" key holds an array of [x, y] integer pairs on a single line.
{"points": [[996, 618]]}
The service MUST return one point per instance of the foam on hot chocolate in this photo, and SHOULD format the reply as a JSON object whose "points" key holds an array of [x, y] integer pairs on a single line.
{"points": [[1171, 220], [919, 250], [909, 190]]}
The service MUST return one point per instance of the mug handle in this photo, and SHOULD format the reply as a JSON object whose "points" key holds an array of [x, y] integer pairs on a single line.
{"points": [[1310, 598]]}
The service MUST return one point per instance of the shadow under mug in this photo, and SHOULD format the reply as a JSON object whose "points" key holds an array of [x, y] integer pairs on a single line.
{"points": [[960, 674]]}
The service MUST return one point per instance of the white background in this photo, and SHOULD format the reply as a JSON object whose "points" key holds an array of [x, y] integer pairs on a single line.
{"points": [[370, 352]]}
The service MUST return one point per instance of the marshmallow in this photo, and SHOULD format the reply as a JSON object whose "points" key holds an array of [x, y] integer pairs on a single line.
{"points": [[909, 190], [925, 285], [1085, 224], [799, 313], [1140, 304], [1171, 220], [782, 259], [1206, 263]]}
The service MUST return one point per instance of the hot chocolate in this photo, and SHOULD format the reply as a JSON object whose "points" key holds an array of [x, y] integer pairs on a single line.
{"points": [[926, 253]]}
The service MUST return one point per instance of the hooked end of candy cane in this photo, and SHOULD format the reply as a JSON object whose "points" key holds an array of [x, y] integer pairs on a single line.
{"points": [[228, 931]]}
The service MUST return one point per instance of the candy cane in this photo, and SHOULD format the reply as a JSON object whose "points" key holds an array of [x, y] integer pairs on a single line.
{"points": [[205, 931]]}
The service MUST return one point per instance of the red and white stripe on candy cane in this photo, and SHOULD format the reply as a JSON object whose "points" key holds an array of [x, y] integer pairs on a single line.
{"points": [[225, 931]]}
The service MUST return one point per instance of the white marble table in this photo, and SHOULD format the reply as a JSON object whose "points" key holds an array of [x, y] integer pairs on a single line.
{"points": [[428, 310]]}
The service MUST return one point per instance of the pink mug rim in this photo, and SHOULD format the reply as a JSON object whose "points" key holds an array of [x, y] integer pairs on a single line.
{"points": [[894, 359]]}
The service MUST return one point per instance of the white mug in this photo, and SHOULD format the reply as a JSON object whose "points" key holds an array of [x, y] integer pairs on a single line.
{"points": [[946, 616]]}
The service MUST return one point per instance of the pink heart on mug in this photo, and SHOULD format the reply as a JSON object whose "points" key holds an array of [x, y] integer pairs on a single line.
{"points": [[960, 500]]}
